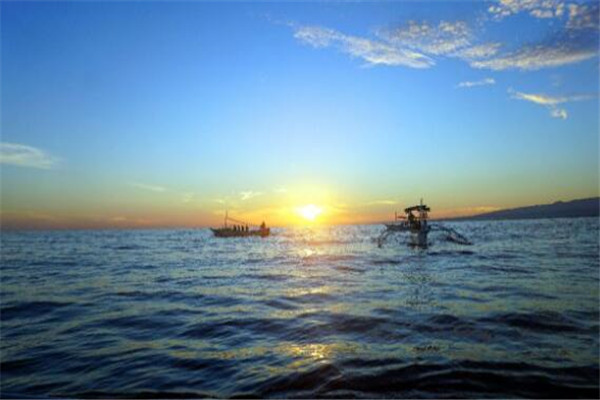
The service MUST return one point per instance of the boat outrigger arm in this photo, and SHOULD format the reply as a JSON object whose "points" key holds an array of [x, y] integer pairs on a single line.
{"points": [[418, 226]]}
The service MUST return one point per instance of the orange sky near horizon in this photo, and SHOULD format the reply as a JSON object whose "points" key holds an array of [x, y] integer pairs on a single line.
{"points": [[275, 216]]}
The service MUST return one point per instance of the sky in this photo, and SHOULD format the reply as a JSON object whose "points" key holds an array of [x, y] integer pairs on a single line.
{"points": [[159, 114]]}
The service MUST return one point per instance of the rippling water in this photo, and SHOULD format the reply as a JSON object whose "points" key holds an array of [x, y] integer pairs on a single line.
{"points": [[305, 313]]}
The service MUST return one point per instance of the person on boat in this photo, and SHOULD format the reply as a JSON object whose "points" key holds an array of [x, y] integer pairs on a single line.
{"points": [[413, 222], [263, 226]]}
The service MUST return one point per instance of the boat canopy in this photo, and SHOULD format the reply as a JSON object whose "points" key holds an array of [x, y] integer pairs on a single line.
{"points": [[420, 207]]}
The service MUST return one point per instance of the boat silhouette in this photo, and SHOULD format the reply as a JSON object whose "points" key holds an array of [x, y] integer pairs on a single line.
{"points": [[240, 229]]}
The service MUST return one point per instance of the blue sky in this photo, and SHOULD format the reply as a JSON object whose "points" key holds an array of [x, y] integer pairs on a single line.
{"points": [[159, 114]]}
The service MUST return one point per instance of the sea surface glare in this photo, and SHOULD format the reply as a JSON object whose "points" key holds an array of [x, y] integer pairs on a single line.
{"points": [[319, 312]]}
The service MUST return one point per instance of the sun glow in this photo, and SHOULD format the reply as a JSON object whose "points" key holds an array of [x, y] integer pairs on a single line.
{"points": [[309, 212]]}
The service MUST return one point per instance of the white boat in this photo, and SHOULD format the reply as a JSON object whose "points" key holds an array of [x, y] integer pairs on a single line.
{"points": [[415, 221], [416, 224]]}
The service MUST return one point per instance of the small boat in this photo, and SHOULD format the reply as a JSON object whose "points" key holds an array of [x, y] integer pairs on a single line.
{"points": [[240, 229], [418, 226]]}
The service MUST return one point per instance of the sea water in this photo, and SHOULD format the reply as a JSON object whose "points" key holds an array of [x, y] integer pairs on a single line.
{"points": [[307, 312]]}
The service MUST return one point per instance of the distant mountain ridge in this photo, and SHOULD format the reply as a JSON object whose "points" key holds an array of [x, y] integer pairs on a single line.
{"points": [[568, 209]]}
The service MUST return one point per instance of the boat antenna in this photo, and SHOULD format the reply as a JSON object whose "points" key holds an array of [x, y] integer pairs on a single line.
{"points": [[226, 218]]}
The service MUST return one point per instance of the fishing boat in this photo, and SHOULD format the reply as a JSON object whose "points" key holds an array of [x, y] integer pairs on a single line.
{"points": [[415, 221], [236, 228], [416, 224]]}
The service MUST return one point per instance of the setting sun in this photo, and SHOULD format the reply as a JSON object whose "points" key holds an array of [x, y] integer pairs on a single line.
{"points": [[309, 212]]}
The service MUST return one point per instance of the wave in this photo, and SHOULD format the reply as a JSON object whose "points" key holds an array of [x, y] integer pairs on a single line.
{"points": [[303, 314]]}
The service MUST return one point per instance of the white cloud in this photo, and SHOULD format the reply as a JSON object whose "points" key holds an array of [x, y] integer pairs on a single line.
{"points": [[151, 188], [247, 195], [478, 52], [482, 82], [584, 16], [317, 36], [538, 57], [535, 8], [413, 45], [551, 102], [581, 15], [25, 156], [559, 113], [441, 39], [547, 100], [419, 44], [448, 39], [541, 99], [374, 52]]}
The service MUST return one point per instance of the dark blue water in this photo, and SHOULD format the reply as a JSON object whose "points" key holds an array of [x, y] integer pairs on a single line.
{"points": [[305, 313]]}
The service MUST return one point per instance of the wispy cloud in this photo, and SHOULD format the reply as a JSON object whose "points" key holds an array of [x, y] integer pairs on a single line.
{"points": [[537, 57], [535, 8], [384, 202], [482, 82], [374, 52], [441, 39], [151, 188], [547, 100], [447, 38], [575, 41], [414, 45], [420, 44], [580, 15], [551, 102], [478, 52], [558, 113], [25, 156], [249, 194], [584, 16]]}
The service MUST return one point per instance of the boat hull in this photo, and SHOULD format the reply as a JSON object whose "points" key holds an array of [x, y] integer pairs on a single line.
{"points": [[398, 227], [228, 232], [418, 233]]}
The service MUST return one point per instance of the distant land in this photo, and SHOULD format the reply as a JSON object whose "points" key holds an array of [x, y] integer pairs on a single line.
{"points": [[560, 209]]}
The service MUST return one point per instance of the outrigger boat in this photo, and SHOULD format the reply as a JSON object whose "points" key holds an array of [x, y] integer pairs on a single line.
{"points": [[240, 229], [418, 226]]}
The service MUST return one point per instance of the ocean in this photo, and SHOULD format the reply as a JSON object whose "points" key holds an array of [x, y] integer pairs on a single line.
{"points": [[318, 312]]}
